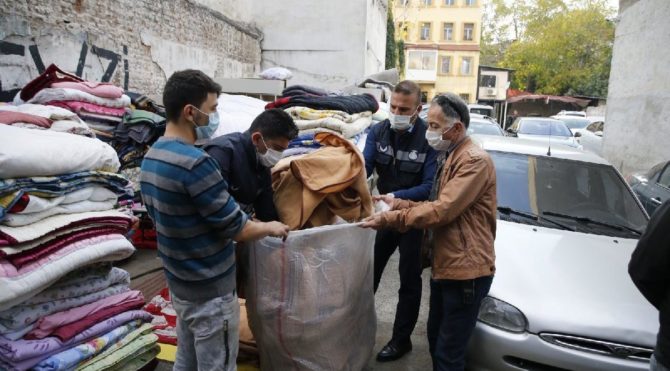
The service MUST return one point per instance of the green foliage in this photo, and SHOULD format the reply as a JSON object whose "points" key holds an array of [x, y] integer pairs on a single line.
{"points": [[401, 56], [557, 48], [391, 52]]}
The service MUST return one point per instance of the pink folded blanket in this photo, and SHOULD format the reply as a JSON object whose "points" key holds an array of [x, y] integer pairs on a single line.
{"points": [[99, 89]]}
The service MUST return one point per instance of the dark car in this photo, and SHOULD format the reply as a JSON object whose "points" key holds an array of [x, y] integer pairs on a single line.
{"points": [[653, 186]]}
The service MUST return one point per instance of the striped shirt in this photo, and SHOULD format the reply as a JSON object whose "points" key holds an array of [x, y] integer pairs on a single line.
{"points": [[195, 217]]}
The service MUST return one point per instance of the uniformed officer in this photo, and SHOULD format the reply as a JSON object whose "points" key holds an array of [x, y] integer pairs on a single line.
{"points": [[397, 149]]}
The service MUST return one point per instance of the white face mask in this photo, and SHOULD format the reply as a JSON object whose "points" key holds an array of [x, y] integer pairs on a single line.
{"points": [[270, 157], [435, 140], [400, 122]]}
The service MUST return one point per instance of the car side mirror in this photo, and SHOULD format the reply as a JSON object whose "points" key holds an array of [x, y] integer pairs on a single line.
{"points": [[578, 135], [599, 133]]}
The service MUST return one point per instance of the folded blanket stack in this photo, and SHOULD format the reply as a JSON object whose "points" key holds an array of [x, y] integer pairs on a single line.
{"points": [[314, 111], [41, 117], [133, 137], [165, 317], [62, 305]]}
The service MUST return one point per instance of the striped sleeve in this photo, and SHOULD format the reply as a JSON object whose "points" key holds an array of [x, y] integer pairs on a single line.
{"points": [[209, 192]]}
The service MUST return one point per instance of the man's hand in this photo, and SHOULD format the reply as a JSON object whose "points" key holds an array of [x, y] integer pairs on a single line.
{"points": [[277, 229], [388, 198], [374, 222]]}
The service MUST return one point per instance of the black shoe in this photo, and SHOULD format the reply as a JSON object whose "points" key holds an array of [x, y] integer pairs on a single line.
{"points": [[391, 352]]}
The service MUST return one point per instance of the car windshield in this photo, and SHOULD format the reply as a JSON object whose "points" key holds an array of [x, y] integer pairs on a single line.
{"points": [[575, 123], [544, 127], [549, 187], [484, 128]]}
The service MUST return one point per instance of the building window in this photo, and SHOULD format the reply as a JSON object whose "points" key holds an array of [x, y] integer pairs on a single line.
{"points": [[466, 66], [448, 32], [488, 81], [424, 97], [445, 65], [421, 60], [468, 31], [470, 2], [425, 31], [426, 2], [465, 97], [449, 2]]}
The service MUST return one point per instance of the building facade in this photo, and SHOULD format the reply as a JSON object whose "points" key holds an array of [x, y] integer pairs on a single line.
{"points": [[441, 44]]}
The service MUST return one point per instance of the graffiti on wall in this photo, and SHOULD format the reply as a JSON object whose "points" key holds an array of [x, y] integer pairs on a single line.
{"points": [[23, 60]]}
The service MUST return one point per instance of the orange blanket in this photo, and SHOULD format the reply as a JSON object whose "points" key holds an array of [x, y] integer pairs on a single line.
{"points": [[311, 190]]}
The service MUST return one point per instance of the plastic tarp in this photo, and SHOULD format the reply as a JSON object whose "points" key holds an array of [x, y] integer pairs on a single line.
{"points": [[311, 301]]}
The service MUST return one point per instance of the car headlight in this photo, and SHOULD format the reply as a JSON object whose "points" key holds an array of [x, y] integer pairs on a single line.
{"points": [[502, 315]]}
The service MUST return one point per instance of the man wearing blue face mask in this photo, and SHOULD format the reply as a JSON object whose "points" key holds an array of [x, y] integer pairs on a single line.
{"points": [[197, 221], [397, 149], [245, 160]]}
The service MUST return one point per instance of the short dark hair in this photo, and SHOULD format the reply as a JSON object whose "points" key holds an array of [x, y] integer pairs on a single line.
{"points": [[408, 87], [274, 123], [453, 107], [184, 88]]}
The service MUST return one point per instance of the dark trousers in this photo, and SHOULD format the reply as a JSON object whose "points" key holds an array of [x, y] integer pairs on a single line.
{"points": [[409, 295], [452, 318]]}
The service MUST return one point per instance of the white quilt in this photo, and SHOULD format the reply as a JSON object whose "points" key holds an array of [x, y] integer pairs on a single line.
{"points": [[237, 112], [30, 153], [65, 94], [18, 286], [64, 121], [348, 130], [18, 220]]}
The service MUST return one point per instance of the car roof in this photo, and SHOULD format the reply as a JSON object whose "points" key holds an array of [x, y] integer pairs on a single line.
{"points": [[535, 148], [559, 117], [483, 120], [479, 106], [548, 119]]}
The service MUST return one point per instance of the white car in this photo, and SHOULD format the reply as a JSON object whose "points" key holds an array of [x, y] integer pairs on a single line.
{"points": [[481, 109], [572, 113], [591, 138], [542, 129], [574, 123], [561, 297]]}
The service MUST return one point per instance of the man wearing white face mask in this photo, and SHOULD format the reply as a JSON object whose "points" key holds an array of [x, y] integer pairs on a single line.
{"points": [[461, 220], [397, 150], [245, 160], [197, 221]]}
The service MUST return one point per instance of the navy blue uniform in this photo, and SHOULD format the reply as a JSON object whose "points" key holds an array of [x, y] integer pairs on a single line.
{"points": [[406, 166]]}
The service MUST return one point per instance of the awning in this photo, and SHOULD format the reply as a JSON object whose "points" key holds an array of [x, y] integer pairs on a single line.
{"points": [[549, 98]]}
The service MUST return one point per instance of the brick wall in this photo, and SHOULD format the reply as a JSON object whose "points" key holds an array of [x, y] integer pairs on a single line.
{"points": [[135, 44]]}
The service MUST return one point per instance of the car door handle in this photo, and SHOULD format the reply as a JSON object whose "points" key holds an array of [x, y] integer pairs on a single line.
{"points": [[656, 200]]}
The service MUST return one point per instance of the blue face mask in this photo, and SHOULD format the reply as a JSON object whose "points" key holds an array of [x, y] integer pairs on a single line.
{"points": [[206, 131]]}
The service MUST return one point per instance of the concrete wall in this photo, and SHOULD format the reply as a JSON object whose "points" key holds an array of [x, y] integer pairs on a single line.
{"points": [[327, 44], [135, 44], [637, 130]]}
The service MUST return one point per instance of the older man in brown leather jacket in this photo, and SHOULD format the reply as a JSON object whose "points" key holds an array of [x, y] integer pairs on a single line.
{"points": [[461, 222]]}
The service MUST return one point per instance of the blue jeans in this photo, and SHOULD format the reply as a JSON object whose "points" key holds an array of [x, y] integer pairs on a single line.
{"points": [[454, 306], [207, 333]]}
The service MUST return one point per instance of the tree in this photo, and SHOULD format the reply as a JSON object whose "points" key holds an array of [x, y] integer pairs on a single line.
{"points": [[558, 47], [401, 56], [391, 53]]}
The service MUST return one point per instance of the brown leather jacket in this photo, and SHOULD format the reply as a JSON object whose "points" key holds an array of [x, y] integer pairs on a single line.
{"points": [[463, 218]]}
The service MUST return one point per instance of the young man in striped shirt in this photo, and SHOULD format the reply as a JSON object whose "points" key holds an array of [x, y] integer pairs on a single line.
{"points": [[197, 221]]}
